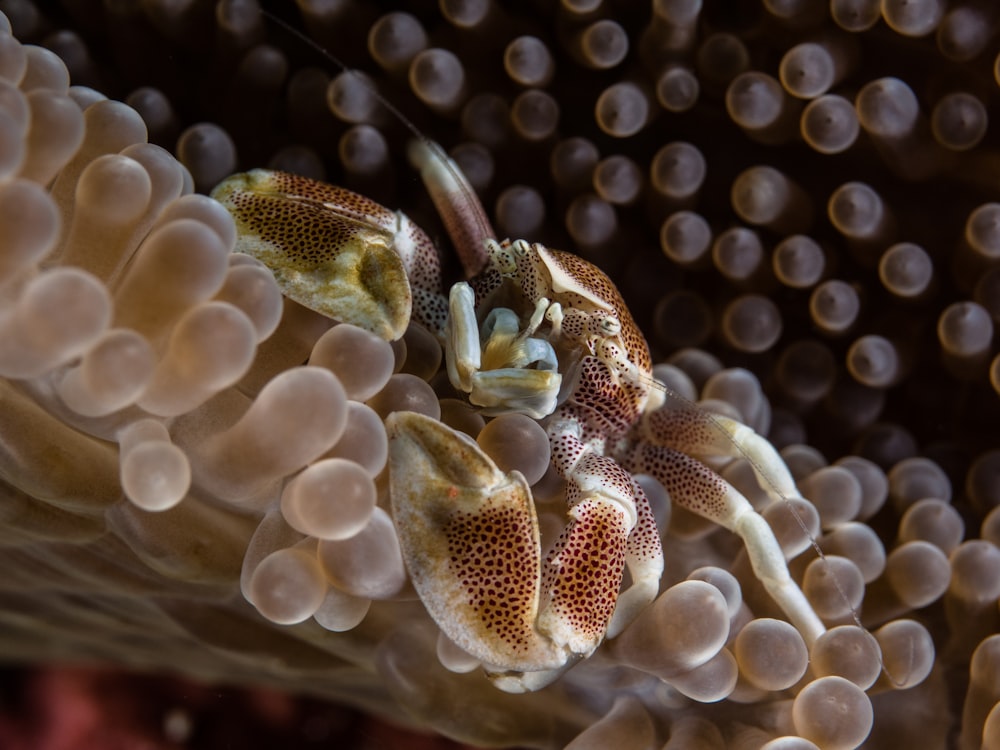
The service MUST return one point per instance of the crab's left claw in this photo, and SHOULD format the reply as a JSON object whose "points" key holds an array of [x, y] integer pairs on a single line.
{"points": [[336, 252], [469, 538]]}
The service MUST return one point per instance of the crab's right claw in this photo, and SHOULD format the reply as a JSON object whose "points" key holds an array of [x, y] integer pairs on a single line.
{"points": [[470, 541], [331, 250]]}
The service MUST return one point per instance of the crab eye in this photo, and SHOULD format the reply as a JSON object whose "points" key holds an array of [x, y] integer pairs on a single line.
{"points": [[502, 257], [610, 326]]}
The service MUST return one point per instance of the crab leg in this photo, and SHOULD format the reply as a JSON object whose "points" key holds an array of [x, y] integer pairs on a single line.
{"points": [[699, 434], [694, 486]]}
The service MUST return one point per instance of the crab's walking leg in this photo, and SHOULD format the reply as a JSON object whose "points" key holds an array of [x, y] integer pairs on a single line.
{"points": [[705, 435], [695, 433], [694, 486]]}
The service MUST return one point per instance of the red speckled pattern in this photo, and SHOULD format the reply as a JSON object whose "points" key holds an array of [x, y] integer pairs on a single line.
{"points": [[311, 222], [596, 282], [684, 429], [690, 483], [605, 408], [582, 574], [644, 542], [491, 554]]}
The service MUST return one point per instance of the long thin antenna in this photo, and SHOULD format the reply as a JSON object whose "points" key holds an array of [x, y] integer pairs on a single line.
{"points": [[310, 42]]}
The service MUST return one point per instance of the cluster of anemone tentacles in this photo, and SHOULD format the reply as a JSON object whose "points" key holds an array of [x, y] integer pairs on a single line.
{"points": [[798, 199]]}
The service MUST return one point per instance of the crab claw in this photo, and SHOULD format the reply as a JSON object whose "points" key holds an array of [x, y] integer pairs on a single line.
{"points": [[331, 250], [469, 537]]}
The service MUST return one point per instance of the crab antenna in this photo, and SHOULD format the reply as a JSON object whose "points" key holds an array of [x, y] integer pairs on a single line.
{"points": [[456, 202]]}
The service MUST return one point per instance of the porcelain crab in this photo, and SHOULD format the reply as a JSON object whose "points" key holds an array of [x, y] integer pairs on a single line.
{"points": [[536, 331]]}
